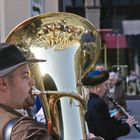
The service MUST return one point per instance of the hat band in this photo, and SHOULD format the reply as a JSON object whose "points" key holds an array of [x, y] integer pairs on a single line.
{"points": [[10, 69]]}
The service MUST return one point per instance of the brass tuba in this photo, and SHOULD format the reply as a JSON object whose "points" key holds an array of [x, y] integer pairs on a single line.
{"points": [[71, 45]]}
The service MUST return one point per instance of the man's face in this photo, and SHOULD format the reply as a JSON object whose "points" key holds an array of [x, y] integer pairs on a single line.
{"points": [[111, 82], [100, 67], [99, 89], [103, 88], [20, 87]]}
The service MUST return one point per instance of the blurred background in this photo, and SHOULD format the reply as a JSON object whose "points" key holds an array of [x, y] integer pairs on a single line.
{"points": [[118, 23]]}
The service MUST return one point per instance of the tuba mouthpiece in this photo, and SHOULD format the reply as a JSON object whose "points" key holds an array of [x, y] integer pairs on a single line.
{"points": [[35, 91]]}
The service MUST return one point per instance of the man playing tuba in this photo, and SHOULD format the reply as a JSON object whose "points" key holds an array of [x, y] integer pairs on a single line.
{"points": [[16, 93]]}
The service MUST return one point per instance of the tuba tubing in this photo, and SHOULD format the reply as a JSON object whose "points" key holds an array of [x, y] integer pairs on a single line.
{"points": [[59, 94], [71, 45]]}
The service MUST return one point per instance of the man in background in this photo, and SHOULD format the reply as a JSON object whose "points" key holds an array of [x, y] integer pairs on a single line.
{"points": [[98, 118]]}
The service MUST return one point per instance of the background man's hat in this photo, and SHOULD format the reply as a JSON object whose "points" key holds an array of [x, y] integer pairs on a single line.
{"points": [[95, 77], [11, 58]]}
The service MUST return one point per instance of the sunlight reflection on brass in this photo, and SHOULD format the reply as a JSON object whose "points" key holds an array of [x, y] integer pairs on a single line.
{"points": [[71, 45]]}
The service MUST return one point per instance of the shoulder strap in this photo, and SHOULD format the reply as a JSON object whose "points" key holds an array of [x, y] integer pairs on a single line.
{"points": [[8, 129], [9, 109]]}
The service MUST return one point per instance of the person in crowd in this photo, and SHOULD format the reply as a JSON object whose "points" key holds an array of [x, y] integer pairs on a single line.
{"points": [[16, 93], [98, 118], [132, 83], [117, 92], [100, 67]]}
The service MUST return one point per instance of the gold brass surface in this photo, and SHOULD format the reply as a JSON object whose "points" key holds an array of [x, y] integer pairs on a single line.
{"points": [[71, 45], [59, 31]]}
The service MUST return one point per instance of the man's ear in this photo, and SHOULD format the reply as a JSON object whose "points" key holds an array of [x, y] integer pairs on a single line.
{"points": [[98, 88], [3, 83]]}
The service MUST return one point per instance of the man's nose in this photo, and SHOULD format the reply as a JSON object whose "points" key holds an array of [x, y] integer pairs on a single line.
{"points": [[32, 82]]}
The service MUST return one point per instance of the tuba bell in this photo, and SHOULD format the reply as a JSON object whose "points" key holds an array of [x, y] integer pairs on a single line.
{"points": [[71, 45]]}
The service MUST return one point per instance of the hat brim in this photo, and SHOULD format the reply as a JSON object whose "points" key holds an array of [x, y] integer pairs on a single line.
{"points": [[35, 60], [95, 80], [12, 68]]}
